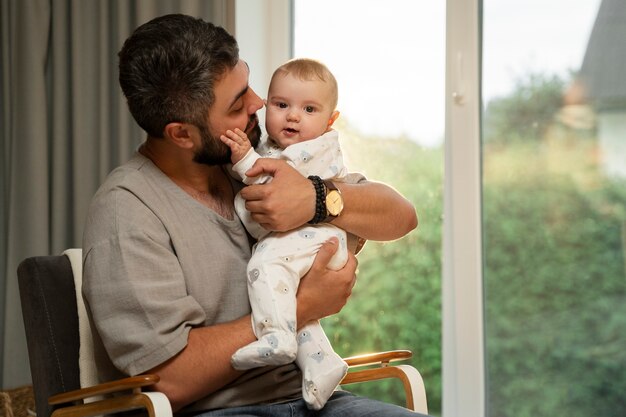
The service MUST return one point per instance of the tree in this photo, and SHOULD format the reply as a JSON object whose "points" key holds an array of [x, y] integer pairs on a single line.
{"points": [[526, 113]]}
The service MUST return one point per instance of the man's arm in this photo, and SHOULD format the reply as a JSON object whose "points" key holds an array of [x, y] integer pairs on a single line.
{"points": [[371, 210], [204, 365], [375, 211]]}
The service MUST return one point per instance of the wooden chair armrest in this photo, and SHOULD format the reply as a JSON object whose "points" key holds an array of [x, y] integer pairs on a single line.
{"points": [[382, 358], [155, 404], [134, 383], [415, 392]]}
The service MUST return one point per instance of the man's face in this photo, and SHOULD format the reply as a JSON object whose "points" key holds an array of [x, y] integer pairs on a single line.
{"points": [[235, 106]]}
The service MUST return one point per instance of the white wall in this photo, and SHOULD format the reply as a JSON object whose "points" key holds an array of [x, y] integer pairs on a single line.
{"points": [[263, 31], [611, 128]]}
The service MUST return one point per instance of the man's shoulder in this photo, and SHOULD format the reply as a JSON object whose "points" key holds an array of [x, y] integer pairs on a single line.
{"points": [[123, 198], [134, 176], [135, 169]]}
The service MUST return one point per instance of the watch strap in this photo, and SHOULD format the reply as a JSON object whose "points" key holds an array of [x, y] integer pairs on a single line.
{"points": [[330, 186]]}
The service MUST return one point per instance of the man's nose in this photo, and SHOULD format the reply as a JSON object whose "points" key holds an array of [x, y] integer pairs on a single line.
{"points": [[255, 102]]}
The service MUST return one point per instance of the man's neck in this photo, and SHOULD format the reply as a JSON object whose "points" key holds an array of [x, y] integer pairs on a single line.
{"points": [[209, 185], [178, 164]]}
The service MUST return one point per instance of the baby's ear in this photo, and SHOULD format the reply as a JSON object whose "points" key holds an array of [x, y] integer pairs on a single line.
{"points": [[332, 119]]}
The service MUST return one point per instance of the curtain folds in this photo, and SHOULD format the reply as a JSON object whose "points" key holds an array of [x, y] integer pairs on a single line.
{"points": [[64, 125]]}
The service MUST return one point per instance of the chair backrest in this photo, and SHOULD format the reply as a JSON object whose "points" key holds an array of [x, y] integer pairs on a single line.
{"points": [[48, 297]]}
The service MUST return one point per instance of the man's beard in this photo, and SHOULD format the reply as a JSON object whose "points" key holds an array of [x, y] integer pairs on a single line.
{"points": [[215, 152]]}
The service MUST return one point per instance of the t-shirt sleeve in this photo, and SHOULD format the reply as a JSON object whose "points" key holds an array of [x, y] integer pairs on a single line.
{"points": [[137, 297]]}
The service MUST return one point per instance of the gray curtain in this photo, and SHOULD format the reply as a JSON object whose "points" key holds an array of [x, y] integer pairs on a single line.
{"points": [[64, 126]]}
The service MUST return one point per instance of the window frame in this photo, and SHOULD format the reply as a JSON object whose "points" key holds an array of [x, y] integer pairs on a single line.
{"points": [[264, 31], [463, 325]]}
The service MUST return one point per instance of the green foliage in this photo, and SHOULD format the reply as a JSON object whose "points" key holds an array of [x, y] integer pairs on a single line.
{"points": [[555, 288], [526, 113], [554, 273], [396, 303]]}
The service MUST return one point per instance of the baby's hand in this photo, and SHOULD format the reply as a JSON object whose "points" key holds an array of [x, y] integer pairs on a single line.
{"points": [[238, 143]]}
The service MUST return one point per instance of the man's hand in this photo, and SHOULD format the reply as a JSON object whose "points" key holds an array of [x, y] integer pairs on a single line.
{"points": [[323, 292], [287, 202]]}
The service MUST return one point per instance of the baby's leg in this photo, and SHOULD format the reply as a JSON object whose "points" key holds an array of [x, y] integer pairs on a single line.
{"points": [[272, 292], [274, 271], [322, 368]]}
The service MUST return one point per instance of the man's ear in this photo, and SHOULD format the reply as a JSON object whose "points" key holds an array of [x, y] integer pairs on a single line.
{"points": [[332, 119], [180, 134]]}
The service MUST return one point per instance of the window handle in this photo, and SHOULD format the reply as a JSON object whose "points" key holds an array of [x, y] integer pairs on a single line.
{"points": [[458, 95]]}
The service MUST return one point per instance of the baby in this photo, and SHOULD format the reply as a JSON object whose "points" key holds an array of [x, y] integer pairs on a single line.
{"points": [[300, 111]]}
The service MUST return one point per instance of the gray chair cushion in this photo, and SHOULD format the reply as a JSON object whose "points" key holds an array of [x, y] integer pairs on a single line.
{"points": [[48, 301]]}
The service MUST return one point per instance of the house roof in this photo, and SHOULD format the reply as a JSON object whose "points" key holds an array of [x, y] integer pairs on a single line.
{"points": [[603, 70]]}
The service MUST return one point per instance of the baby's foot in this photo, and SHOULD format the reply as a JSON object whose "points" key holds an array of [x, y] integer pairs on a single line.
{"points": [[321, 378], [277, 348]]}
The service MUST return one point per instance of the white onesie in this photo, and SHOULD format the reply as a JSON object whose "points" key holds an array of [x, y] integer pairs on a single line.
{"points": [[279, 260]]}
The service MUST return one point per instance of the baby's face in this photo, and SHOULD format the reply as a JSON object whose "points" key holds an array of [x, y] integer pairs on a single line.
{"points": [[297, 110]]}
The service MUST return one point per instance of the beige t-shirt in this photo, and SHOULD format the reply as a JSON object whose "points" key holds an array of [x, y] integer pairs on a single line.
{"points": [[158, 263]]}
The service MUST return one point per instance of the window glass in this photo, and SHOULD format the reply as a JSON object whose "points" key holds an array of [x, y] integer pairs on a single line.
{"points": [[554, 206], [388, 58]]}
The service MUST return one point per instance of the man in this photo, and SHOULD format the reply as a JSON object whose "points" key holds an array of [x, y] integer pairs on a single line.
{"points": [[165, 256]]}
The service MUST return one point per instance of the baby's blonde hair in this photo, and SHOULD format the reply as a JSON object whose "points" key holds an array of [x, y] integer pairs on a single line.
{"points": [[308, 69]]}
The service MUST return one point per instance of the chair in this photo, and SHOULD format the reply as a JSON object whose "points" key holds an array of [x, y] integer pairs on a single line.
{"points": [[50, 308]]}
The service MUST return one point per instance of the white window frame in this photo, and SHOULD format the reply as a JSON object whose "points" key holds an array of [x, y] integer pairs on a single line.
{"points": [[463, 333], [264, 33]]}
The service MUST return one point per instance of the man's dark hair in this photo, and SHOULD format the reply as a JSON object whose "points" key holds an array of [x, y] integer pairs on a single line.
{"points": [[169, 67]]}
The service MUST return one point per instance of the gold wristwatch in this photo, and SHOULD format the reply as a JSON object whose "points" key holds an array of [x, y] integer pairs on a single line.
{"points": [[334, 202]]}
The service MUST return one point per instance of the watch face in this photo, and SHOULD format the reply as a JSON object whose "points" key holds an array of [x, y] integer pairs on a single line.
{"points": [[334, 203]]}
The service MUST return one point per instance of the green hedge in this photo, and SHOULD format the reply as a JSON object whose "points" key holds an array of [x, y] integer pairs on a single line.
{"points": [[555, 285], [555, 282]]}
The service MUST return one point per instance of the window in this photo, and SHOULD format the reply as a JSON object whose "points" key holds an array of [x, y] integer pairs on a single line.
{"points": [[534, 279], [554, 207], [388, 58]]}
